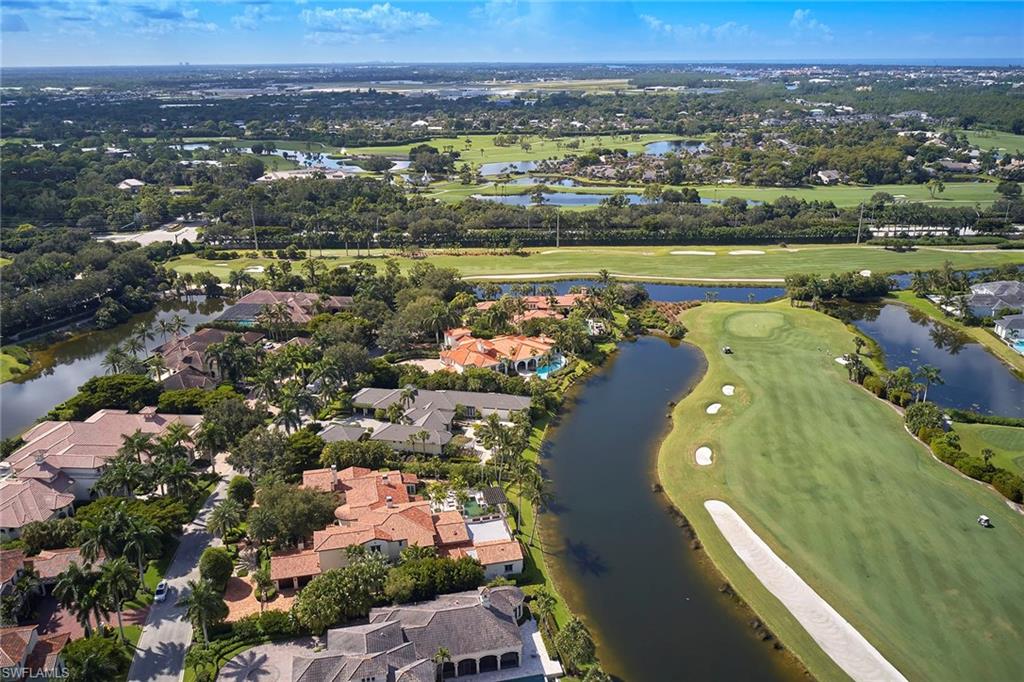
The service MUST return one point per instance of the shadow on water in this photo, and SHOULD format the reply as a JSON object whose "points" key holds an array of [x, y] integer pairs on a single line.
{"points": [[621, 561]]}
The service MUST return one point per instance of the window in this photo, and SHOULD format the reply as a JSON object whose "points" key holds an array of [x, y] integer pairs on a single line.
{"points": [[508, 568], [375, 548]]}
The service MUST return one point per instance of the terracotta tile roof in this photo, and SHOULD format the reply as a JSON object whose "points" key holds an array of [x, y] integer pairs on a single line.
{"points": [[190, 352], [498, 552], [14, 644], [11, 561], [362, 488], [294, 565], [410, 521], [451, 528], [44, 654], [302, 306], [50, 563], [23, 501], [89, 444], [472, 352]]}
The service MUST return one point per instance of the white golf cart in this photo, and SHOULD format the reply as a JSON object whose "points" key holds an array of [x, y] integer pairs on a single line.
{"points": [[984, 521]]}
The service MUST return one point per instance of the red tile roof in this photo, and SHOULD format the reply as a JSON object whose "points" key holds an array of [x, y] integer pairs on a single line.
{"points": [[11, 561], [15, 643], [23, 501], [294, 565], [44, 654]]}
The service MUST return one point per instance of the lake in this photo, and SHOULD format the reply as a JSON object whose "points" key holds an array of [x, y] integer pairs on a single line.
{"points": [[556, 198], [974, 378], [675, 147], [617, 556], [71, 363]]}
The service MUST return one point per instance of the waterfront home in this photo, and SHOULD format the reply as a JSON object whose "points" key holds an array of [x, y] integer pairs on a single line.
{"points": [[541, 307], [479, 629], [381, 512], [506, 354], [80, 450], [299, 306], [829, 177], [1010, 328], [25, 654], [441, 405], [986, 298], [188, 362]]}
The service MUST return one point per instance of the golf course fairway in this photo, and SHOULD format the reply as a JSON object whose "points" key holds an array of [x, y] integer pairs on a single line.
{"points": [[827, 476]]}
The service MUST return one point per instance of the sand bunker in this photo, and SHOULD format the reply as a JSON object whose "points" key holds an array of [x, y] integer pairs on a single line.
{"points": [[254, 268], [865, 273], [746, 252], [826, 626], [713, 408], [842, 361], [703, 456], [692, 253], [728, 389]]}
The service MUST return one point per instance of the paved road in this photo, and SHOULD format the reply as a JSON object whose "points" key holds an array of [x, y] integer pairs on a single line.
{"points": [[160, 656]]}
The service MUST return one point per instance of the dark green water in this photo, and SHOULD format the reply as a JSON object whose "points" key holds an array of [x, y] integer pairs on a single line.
{"points": [[619, 559]]}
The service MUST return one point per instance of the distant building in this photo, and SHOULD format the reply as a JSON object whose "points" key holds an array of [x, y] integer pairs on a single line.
{"points": [[829, 177], [987, 298], [131, 185]]}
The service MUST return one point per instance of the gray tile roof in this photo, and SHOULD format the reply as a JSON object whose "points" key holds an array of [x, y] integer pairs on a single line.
{"points": [[441, 400], [1011, 322], [339, 432], [401, 433]]}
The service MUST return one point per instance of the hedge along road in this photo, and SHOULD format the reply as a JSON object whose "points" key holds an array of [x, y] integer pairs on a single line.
{"points": [[658, 262], [827, 476]]}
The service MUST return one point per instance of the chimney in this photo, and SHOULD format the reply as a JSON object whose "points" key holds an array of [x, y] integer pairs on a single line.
{"points": [[39, 456], [389, 502], [334, 475], [485, 597]]}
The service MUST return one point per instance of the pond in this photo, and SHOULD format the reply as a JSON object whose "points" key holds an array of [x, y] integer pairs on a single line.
{"points": [[618, 558], [538, 180], [670, 293], [499, 167], [675, 147], [974, 379], [70, 363], [556, 198]]}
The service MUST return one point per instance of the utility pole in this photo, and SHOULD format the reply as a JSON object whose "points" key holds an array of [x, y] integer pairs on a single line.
{"points": [[558, 229], [860, 223]]}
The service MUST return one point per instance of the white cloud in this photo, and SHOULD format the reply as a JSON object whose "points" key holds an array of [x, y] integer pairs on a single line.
{"points": [[380, 21], [253, 17], [12, 23], [807, 27], [729, 31]]}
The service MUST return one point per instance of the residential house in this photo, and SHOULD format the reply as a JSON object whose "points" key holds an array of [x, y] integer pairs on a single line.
{"points": [[131, 185], [26, 500], [25, 654], [829, 177], [506, 354], [79, 451], [541, 307], [301, 306], [1010, 328], [189, 362], [479, 629], [381, 512], [986, 298]]}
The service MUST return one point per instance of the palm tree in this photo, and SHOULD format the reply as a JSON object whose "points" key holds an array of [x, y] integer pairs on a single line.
{"points": [[543, 606], [122, 475], [408, 396], [165, 327], [137, 444], [441, 657], [119, 582], [114, 360], [158, 365], [224, 517], [931, 377], [203, 605], [141, 538], [858, 344], [538, 498], [75, 591], [262, 584], [524, 473], [178, 325]]}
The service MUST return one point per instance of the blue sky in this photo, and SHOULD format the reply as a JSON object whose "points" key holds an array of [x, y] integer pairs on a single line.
{"points": [[101, 32]]}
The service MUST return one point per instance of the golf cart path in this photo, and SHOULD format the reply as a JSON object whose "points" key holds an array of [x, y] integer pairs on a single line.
{"points": [[645, 278], [833, 633], [160, 653]]}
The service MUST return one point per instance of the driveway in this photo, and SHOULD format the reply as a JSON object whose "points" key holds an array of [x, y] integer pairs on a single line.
{"points": [[160, 656], [266, 662]]}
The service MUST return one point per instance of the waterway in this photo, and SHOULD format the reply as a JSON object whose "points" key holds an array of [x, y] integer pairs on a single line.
{"points": [[973, 378], [671, 293], [68, 364], [616, 554]]}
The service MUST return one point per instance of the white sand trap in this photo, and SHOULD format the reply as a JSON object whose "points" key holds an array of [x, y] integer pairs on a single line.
{"points": [[703, 455], [842, 361], [728, 389], [831, 631], [255, 268], [865, 273], [713, 408], [746, 252], [692, 253]]}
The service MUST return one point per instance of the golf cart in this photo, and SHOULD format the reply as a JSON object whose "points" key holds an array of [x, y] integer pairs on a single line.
{"points": [[727, 350], [984, 521]]}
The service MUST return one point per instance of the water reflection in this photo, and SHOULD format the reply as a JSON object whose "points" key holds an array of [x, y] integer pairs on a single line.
{"points": [[661, 292], [973, 378]]}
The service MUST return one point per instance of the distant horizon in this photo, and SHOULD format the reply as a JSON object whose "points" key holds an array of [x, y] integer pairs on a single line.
{"points": [[1007, 62], [59, 33]]}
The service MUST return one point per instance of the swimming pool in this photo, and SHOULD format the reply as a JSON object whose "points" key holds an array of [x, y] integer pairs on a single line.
{"points": [[1018, 346], [545, 370]]}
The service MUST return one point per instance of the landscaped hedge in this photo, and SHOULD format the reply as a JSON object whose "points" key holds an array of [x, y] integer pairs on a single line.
{"points": [[968, 417]]}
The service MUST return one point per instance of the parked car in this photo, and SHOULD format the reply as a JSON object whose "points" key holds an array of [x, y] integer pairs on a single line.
{"points": [[161, 591]]}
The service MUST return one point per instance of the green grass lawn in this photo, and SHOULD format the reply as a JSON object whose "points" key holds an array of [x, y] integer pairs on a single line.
{"points": [[482, 149], [641, 262], [14, 361], [827, 475], [958, 193], [1006, 441], [982, 335], [995, 139]]}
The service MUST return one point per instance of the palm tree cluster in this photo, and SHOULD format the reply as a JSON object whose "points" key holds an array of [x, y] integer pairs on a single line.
{"points": [[91, 595], [144, 465]]}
